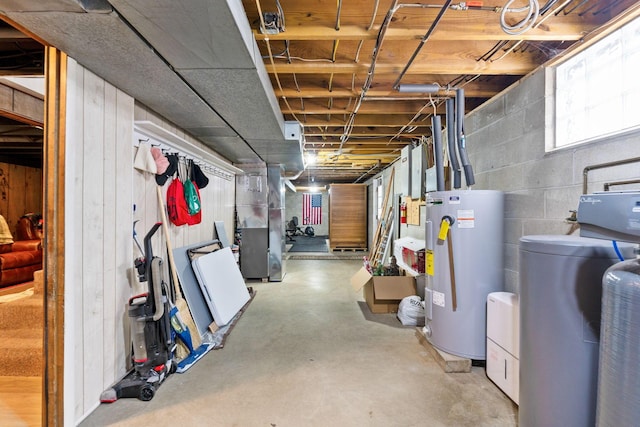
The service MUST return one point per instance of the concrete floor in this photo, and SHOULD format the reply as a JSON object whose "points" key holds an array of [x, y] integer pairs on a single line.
{"points": [[307, 352]]}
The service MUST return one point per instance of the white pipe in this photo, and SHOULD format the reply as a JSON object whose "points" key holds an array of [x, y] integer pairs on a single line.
{"points": [[419, 88]]}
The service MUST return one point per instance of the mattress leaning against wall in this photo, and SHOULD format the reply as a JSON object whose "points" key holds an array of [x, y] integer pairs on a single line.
{"points": [[222, 284]]}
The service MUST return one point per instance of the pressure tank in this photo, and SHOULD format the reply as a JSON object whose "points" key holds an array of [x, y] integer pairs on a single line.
{"points": [[560, 305], [464, 265]]}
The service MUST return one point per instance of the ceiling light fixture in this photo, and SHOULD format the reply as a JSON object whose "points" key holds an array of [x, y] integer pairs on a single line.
{"points": [[311, 158]]}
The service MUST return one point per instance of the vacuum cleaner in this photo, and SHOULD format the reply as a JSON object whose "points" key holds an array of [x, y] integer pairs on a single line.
{"points": [[151, 334]]}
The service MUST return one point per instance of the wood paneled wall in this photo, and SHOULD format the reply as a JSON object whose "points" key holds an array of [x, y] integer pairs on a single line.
{"points": [[20, 192], [102, 190]]}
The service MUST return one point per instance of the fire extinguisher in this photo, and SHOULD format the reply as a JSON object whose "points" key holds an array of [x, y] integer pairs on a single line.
{"points": [[403, 213]]}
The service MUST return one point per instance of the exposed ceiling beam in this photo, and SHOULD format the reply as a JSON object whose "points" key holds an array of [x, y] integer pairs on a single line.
{"points": [[371, 131], [370, 120], [308, 92], [565, 30], [442, 64]]}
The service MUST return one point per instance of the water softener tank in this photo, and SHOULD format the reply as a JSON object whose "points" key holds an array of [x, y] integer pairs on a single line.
{"points": [[560, 304], [464, 265], [619, 375]]}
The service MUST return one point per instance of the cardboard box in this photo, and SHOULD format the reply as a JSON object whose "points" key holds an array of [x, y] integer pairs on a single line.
{"points": [[383, 293]]}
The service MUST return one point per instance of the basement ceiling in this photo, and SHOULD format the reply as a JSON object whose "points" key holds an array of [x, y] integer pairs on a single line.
{"points": [[232, 72], [320, 58]]}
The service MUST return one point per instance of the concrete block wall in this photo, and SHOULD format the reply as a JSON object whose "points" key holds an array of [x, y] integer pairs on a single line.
{"points": [[506, 140], [506, 144]]}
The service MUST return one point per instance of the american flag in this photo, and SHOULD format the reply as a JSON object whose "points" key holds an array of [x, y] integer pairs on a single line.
{"points": [[311, 208]]}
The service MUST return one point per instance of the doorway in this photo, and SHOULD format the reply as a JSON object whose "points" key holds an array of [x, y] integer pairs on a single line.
{"points": [[22, 204]]}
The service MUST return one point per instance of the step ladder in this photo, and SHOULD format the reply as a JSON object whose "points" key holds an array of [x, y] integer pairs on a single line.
{"points": [[381, 249], [383, 230]]}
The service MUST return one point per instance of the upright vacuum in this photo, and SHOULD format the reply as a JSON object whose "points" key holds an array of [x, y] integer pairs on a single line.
{"points": [[150, 331]]}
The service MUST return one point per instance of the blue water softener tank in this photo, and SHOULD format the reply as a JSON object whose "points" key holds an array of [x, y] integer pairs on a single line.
{"points": [[560, 305], [619, 375], [464, 265]]}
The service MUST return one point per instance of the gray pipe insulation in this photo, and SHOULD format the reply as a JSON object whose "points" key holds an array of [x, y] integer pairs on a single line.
{"points": [[437, 146], [462, 144], [451, 142]]}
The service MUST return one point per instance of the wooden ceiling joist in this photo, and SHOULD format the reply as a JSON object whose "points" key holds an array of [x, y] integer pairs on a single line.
{"points": [[460, 30], [322, 71]]}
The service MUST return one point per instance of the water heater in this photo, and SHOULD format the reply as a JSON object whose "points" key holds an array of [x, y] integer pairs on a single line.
{"points": [[464, 255]]}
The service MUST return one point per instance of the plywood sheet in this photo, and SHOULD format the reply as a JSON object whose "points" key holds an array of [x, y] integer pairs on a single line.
{"points": [[348, 216]]}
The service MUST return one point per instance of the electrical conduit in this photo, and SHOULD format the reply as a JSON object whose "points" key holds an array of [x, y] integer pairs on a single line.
{"points": [[462, 144]]}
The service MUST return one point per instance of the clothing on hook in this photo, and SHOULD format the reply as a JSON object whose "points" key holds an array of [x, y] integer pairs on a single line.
{"points": [[161, 161], [144, 160]]}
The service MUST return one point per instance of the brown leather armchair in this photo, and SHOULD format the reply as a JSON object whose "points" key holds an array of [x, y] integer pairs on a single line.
{"points": [[20, 259]]}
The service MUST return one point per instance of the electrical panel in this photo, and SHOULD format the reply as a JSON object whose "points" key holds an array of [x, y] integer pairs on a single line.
{"points": [[418, 167], [404, 174]]}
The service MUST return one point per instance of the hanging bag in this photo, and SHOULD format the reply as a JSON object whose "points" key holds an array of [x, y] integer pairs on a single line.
{"points": [[176, 204], [197, 217], [177, 209], [191, 195]]}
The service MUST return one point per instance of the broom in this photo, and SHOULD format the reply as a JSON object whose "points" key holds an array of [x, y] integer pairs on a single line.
{"points": [[180, 303]]}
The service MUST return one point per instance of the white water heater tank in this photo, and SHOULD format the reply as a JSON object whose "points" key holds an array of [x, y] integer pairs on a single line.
{"points": [[464, 264]]}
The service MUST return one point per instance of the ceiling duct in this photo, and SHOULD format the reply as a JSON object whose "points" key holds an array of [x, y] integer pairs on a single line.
{"points": [[194, 62]]}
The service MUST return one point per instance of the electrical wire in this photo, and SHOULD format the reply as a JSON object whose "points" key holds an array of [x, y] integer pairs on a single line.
{"points": [[357, 57], [568, 11], [607, 7], [536, 25], [367, 84], [297, 58], [286, 51], [489, 54], [373, 15], [544, 9], [424, 39], [584, 12], [281, 12], [277, 78], [413, 119], [361, 42], [295, 81], [533, 11]]}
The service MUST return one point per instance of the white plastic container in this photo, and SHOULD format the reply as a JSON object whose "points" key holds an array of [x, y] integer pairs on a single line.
{"points": [[503, 342]]}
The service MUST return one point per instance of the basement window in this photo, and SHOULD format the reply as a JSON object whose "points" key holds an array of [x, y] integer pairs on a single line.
{"points": [[597, 90]]}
